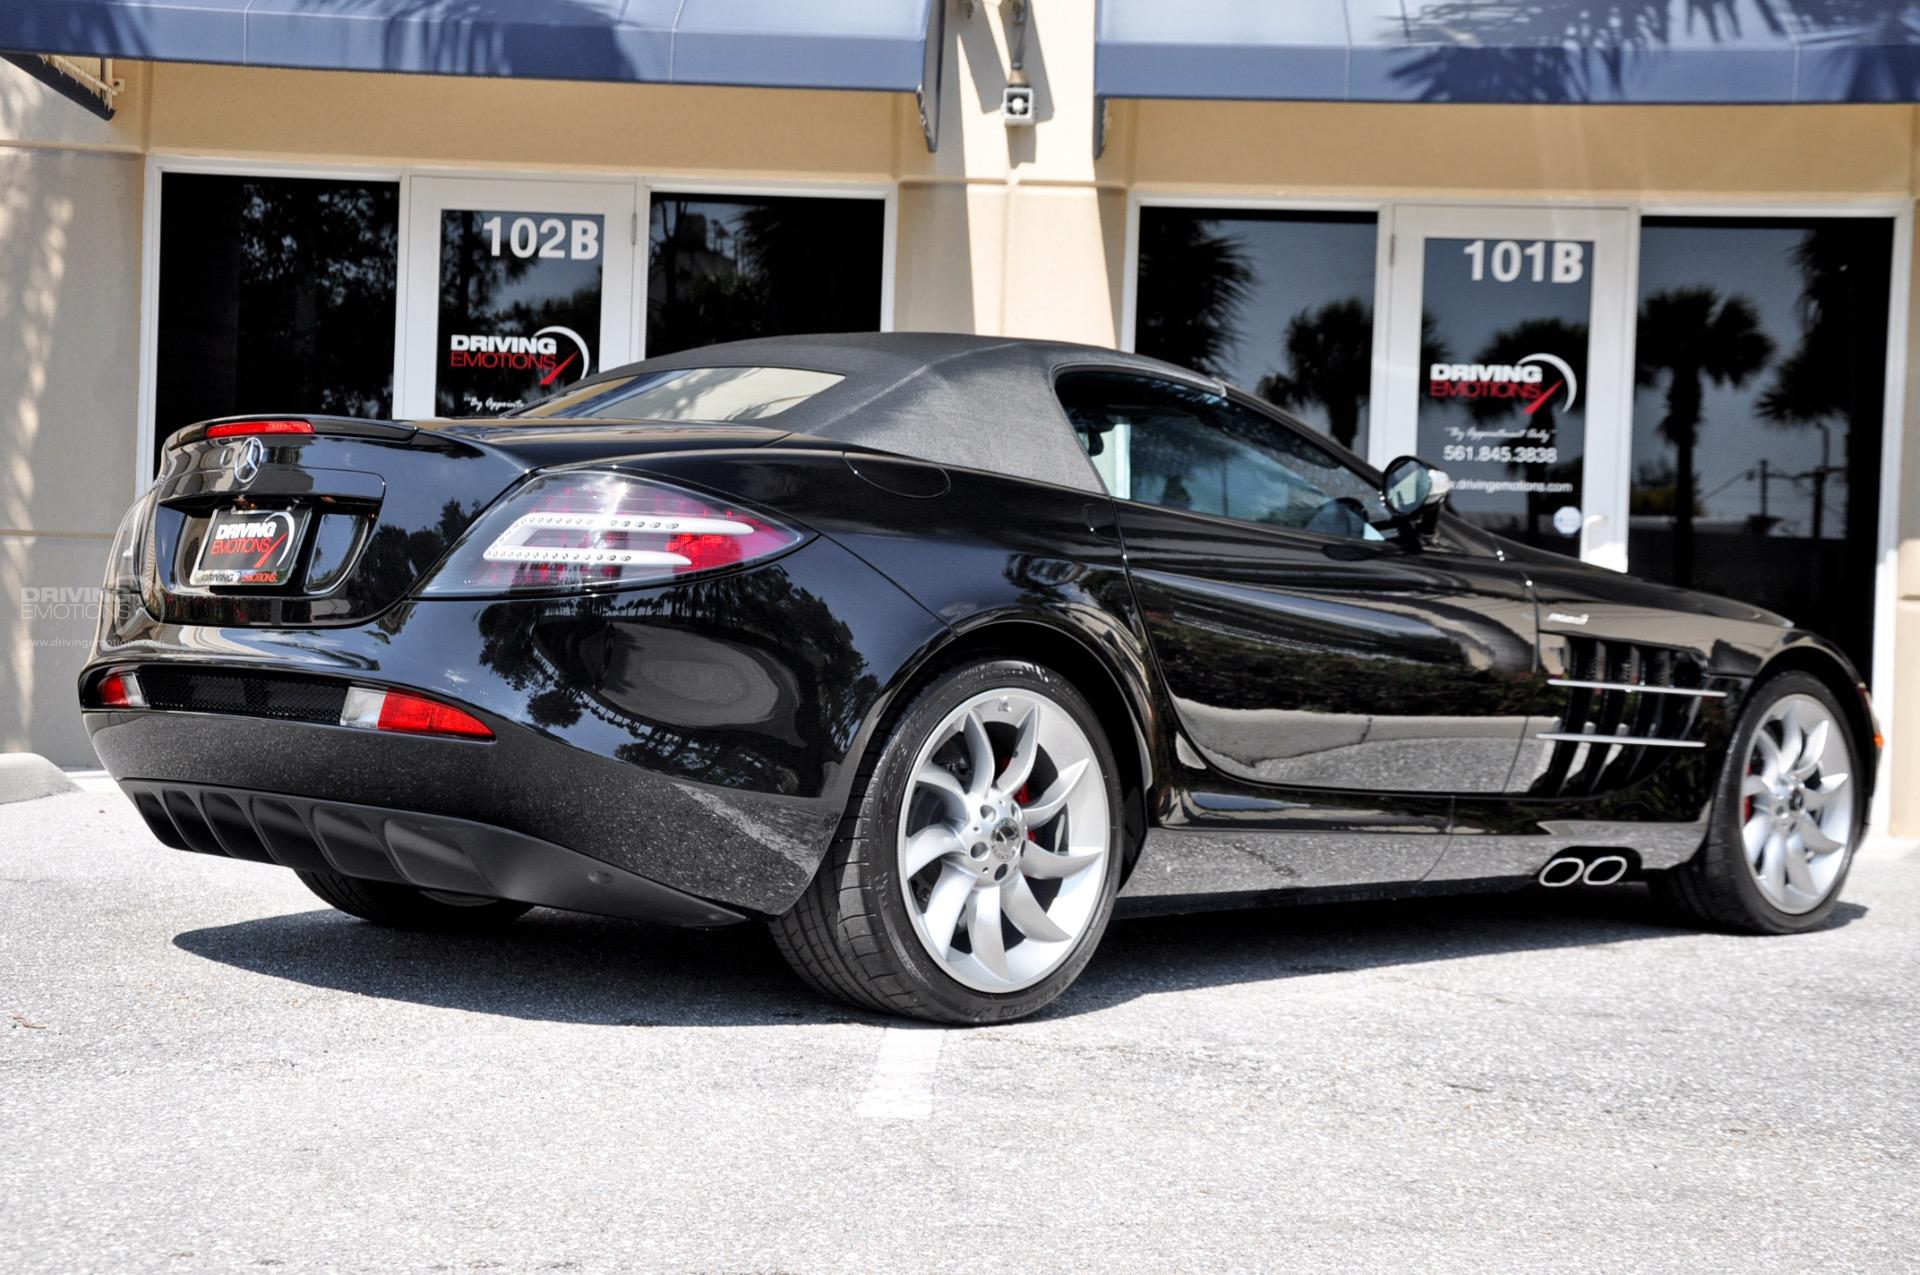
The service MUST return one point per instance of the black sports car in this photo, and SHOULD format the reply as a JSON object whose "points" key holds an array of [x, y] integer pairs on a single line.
{"points": [[926, 650]]}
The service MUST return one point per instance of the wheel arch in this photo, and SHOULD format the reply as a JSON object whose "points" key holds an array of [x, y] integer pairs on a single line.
{"points": [[1123, 713], [1826, 664]]}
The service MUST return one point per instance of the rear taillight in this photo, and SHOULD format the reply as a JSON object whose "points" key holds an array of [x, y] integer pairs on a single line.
{"points": [[408, 714], [234, 429], [120, 689], [592, 529], [125, 560]]}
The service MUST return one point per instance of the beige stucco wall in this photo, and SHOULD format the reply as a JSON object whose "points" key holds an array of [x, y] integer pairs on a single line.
{"points": [[1639, 153], [70, 201], [1019, 231]]}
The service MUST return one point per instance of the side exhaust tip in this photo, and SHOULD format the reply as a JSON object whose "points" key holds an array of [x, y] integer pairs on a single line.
{"points": [[1606, 869], [1563, 871]]}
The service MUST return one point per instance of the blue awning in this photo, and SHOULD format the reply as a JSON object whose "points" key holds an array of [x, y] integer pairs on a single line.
{"points": [[883, 45], [1511, 51]]}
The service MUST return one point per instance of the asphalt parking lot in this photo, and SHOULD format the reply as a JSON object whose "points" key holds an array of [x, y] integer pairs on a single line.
{"points": [[202, 1068]]}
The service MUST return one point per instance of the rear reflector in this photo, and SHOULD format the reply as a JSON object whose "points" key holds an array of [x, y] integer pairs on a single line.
{"points": [[233, 429], [405, 714], [121, 689]]}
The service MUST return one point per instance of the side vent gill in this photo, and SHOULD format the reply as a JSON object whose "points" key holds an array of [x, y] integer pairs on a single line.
{"points": [[1627, 705]]}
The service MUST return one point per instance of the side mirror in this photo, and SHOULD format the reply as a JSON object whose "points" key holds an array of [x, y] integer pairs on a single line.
{"points": [[1414, 492]]}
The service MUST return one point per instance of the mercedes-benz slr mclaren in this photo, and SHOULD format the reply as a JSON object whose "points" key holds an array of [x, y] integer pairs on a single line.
{"points": [[930, 651]]}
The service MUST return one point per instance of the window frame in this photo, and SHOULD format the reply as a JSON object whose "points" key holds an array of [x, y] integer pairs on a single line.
{"points": [[1278, 417], [644, 185], [887, 192], [146, 437]]}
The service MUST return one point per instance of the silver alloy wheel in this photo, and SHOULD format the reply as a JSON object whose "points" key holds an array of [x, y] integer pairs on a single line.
{"points": [[1796, 809], [1003, 839]]}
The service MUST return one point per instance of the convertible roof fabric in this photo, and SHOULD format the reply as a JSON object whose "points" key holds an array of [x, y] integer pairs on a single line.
{"points": [[969, 401]]}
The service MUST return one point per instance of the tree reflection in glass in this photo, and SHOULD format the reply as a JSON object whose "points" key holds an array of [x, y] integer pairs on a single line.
{"points": [[731, 268], [276, 294], [1277, 302], [1758, 422]]}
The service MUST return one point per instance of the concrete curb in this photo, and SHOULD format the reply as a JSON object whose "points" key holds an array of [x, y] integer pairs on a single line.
{"points": [[25, 776]]}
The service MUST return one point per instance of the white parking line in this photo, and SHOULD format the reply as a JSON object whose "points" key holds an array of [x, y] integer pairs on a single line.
{"points": [[902, 1083]]}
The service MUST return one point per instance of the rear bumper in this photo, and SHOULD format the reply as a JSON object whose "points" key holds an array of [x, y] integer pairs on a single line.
{"points": [[700, 736], [432, 852]]}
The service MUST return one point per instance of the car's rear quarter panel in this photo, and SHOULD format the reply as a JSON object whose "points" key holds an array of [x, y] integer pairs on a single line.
{"points": [[702, 735]]}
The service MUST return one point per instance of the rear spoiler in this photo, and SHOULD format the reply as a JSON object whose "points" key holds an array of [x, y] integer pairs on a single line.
{"points": [[278, 424]]}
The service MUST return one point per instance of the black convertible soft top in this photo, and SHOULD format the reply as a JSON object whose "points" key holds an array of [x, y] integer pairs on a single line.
{"points": [[978, 402]]}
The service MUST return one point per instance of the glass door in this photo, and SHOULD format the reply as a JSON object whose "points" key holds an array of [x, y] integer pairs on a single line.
{"points": [[1759, 424], [515, 289], [1507, 367]]}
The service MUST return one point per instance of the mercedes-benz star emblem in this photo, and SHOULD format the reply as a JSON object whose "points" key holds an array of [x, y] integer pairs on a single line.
{"points": [[247, 460]]}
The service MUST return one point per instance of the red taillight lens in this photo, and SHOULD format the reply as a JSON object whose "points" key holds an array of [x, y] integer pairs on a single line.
{"points": [[592, 529], [120, 689], [407, 714], [233, 429]]}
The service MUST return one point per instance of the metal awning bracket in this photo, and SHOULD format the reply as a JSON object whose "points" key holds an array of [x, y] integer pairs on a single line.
{"points": [[88, 82]]}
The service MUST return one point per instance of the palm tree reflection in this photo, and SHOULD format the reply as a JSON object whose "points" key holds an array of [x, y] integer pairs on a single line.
{"points": [[1193, 281], [1692, 336], [1329, 354]]}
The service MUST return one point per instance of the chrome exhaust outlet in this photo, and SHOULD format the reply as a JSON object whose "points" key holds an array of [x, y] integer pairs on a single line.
{"points": [[1606, 869], [1564, 870]]}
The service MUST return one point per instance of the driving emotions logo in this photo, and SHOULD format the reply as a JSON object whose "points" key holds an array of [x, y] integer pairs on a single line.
{"points": [[262, 544], [552, 352], [1533, 381]]}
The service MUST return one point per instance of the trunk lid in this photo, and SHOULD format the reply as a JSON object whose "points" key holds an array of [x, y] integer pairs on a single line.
{"points": [[365, 508]]}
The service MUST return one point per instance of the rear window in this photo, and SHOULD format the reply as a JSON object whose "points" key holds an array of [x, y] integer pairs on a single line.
{"points": [[712, 394]]}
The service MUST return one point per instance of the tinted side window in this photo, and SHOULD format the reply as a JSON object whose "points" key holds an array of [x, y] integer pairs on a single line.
{"points": [[1162, 443]]}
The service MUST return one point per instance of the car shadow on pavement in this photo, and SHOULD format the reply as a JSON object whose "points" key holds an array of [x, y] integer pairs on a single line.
{"points": [[567, 967], [1171, 953]]}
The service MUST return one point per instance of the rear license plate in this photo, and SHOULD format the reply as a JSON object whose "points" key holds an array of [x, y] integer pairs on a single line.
{"points": [[252, 547]]}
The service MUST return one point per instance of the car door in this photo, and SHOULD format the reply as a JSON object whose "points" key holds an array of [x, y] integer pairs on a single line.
{"points": [[1303, 641]]}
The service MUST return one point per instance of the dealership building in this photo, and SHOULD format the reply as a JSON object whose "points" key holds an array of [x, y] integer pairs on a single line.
{"points": [[1639, 275]]}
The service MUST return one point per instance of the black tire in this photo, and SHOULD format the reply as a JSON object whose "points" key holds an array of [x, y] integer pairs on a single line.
{"points": [[405, 908], [850, 935], [1716, 888]]}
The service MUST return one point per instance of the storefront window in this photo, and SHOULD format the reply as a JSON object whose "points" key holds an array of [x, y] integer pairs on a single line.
{"points": [[276, 295], [725, 268], [1279, 303], [1761, 370]]}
